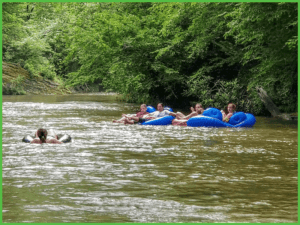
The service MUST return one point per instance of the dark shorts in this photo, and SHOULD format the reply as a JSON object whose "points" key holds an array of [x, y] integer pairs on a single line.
{"points": [[142, 120]]}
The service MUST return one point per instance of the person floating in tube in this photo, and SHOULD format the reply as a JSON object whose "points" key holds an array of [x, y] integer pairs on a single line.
{"points": [[138, 117], [41, 136], [131, 119], [181, 119], [230, 110], [161, 112]]}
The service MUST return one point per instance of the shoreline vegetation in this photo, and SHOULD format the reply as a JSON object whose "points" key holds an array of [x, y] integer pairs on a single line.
{"points": [[176, 53], [17, 81]]}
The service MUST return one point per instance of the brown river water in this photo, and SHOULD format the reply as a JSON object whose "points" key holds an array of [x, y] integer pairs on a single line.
{"points": [[116, 173]]}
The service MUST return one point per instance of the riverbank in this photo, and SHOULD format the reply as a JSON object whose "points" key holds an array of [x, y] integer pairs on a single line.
{"points": [[17, 81]]}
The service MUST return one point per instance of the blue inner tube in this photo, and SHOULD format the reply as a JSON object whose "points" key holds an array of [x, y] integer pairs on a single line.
{"points": [[166, 120], [151, 109], [213, 112], [212, 117], [64, 138], [168, 108], [248, 122]]}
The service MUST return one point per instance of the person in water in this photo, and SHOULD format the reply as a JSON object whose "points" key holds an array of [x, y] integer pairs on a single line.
{"points": [[138, 117], [41, 137], [130, 116], [181, 119], [194, 112], [161, 112], [229, 112]]}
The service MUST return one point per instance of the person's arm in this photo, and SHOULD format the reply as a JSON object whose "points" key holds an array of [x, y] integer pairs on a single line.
{"points": [[172, 114], [168, 112], [223, 114], [149, 117], [227, 117], [153, 114]]}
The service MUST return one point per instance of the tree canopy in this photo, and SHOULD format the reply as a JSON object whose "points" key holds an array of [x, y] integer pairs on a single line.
{"points": [[178, 53]]}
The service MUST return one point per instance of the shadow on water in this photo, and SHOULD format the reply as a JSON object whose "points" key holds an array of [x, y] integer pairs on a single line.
{"points": [[116, 173]]}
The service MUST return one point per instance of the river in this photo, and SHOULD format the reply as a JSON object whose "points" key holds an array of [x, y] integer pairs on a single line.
{"points": [[116, 173]]}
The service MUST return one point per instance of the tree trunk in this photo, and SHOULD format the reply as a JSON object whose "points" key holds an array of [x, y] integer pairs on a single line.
{"points": [[268, 101], [270, 104]]}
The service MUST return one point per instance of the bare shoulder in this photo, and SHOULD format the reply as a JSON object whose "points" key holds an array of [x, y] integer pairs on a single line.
{"points": [[54, 141], [35, 141]]}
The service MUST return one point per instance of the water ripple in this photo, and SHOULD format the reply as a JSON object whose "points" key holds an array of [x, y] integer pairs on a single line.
{"points": [[161, 174]]}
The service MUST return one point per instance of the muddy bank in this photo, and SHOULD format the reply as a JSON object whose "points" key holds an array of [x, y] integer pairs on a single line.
{"points": [[16, 80]]}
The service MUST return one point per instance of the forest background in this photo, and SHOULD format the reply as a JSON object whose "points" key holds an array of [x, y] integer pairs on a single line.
{"points": [[176, 53]]}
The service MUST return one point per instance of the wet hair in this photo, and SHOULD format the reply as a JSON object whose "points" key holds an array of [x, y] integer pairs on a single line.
{"points": [[161, 104], [42, 134]]}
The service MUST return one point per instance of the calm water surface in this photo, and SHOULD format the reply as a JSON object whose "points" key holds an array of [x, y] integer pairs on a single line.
{"points": [[116, 173]]}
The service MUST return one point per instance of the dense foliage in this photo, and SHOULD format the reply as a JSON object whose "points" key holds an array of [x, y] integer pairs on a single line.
{"points": [[178, 53]]}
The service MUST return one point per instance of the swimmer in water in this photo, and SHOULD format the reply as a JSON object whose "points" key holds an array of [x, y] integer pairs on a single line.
{"points": [[41, 137]]}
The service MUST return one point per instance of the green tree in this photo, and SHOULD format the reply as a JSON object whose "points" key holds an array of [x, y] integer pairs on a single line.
{"points": [[12, 24], [268, 33], [178, 53]]}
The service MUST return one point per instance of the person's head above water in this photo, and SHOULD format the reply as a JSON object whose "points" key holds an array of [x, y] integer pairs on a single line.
{"points": [[160, 107], [231, 107], [42, 134], [198, 108], [143, 108]]}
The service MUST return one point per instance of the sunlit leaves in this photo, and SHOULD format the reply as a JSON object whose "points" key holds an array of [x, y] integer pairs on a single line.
{"points": [[177, 52]]}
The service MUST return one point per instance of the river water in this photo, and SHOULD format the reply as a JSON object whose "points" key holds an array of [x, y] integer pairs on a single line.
{"points": [[115, 173]]}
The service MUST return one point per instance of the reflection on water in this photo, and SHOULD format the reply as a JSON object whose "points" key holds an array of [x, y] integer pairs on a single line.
{"points": [[116, 173]]}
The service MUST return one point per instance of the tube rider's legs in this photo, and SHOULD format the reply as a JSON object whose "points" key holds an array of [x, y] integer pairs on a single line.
{"points": [[179, 115]]}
